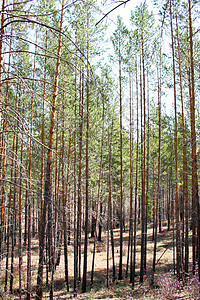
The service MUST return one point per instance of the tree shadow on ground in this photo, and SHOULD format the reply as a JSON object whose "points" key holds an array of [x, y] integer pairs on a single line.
{"points": [[117, 289]]}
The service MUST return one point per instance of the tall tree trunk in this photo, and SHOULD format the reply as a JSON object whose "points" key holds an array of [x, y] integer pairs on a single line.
{"points": [[84, 282], [130, 242], [159, 175], [13, 214], [100, 220], [75, 185], [42, 134], [98, 198], [110, 202], [4, 164], [65, 207], [154, 202], [20, 220], [54, 227], [132, 279], [185, 184], [143, 158], [1, 139], [195, 195], [9, 222], [48, 180], [31, 227], [31, 140], [121, 168], [147, 178], [64, 196], [177, 207], [79, 220]]}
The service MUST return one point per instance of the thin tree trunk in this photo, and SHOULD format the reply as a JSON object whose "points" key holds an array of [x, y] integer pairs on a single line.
{"points": [[1, 140], [9, 215], [154, 203], [84, 282], [13, 214], [143, 248], [26, 205], [130, 242], [159, 175], [185, 184], [110, 203], [142, 103], [31, 142], [20, 220], [132, 279], [65, 206], [108, 240], [42, 134], [177, 207], [75, 185], [93, 218], [147, 179], [100, 220], [98, 199], [30, 219], [121, 169], [173, 235], [55, 209], [3, 177], [195, 195], [169, 204], [63, 194], [79, 221]]}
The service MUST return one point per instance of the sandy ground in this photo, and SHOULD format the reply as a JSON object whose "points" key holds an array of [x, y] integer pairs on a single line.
{"points": [[165, 284]]}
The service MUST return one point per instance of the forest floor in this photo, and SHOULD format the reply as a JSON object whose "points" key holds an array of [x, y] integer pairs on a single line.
{"points": [[166, 286]]}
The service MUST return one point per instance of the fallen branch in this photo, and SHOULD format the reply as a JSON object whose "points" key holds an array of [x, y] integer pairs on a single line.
{"points": [[150, 273], [124, 2]]}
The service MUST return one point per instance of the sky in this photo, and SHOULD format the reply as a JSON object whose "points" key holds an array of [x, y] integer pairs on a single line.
{"points": [[125, 12]]}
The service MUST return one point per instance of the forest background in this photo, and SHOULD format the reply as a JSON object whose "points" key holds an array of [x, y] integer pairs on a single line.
{"points": [[99, 146]]}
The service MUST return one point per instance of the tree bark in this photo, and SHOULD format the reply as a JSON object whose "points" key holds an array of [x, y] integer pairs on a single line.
{"points": [[48, 180], [132, 279], [1, 139], [177, 207], [84, 282], [195, 194], [159, 175], [121, 168], [185, 183]]}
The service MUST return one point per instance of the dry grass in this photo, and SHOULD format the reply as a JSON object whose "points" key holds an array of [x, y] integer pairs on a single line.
{"points": [[165, 284]]}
